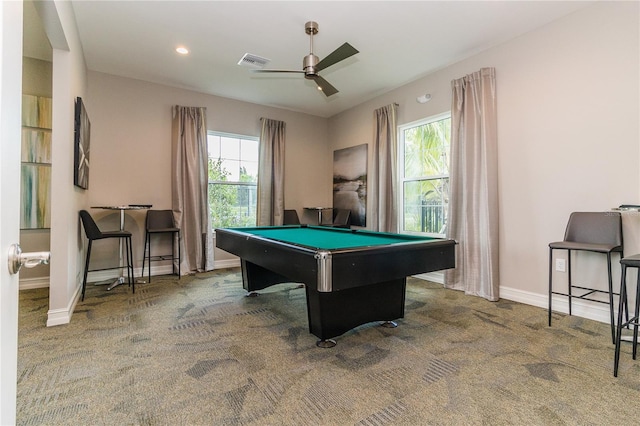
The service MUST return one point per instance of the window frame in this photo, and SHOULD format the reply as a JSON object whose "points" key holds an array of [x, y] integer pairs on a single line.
{"points": [[231, 183], [402, 180]]}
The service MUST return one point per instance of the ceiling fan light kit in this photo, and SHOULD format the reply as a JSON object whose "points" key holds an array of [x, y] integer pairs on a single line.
{"points": [[311, 64]]}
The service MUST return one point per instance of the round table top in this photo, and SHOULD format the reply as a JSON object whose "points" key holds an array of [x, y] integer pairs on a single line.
{"points": [[125, 207]]}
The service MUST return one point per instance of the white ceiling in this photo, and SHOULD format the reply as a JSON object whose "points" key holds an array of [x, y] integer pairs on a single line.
{"points": [[398, 43]]}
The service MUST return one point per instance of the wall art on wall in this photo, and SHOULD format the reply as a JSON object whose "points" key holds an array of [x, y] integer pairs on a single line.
{"points": [[82, 133], [36, 111], [36, 146], [35, 187], [350, 182], [35, 175]]}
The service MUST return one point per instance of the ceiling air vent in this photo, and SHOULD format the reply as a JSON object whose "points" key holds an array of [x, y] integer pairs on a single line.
{"points": [[253, 61]]}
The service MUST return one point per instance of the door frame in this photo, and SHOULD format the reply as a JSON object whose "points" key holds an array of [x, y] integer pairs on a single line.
{"points": [[10, 122]]}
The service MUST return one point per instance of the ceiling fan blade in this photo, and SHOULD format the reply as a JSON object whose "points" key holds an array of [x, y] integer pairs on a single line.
{"points": [[340, 54], [291, 71], [324, 85]]}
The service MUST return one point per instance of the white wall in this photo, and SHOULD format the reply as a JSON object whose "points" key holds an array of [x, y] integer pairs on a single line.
{"points": [[69, 81], [568, 132], [131, 149]]}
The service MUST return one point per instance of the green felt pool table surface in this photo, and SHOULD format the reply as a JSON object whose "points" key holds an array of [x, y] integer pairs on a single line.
{"points": [[326, 238]]}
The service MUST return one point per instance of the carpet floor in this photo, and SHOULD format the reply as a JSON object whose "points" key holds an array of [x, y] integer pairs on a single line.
{"points": [[196, 351]]}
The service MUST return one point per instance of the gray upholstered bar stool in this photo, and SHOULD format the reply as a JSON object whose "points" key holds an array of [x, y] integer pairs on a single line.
{"points": [[596, 232], [627, 262]]}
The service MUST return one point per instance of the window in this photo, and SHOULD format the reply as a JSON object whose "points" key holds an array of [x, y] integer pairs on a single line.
{"points": [[233, 180], [424, 174]]}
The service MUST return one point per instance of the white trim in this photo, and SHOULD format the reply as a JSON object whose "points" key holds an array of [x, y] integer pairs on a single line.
{"points": [[63, 316], [434, 277], [31, 283], [580, 308]]}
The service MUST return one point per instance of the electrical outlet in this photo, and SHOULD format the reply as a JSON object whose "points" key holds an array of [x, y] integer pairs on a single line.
{"points": [[561, 265]]}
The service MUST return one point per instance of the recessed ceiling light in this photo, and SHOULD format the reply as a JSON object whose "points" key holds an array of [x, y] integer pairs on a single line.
{"points": [[182, 50]]}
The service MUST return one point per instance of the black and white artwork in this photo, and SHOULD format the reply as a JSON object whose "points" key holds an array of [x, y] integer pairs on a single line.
{"points": [[81, 153], [350, 182]]}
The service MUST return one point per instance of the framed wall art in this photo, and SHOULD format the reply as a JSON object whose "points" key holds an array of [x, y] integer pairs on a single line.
{"points": [[82, 134], [350, 182]]}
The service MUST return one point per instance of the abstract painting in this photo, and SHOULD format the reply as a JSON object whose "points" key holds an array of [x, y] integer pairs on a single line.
{"points": [[36, 111], [35, 196], [36, 146], [82, 132], [35, 176], [350, 182]]}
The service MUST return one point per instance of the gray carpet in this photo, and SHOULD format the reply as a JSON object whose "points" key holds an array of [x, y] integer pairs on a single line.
{"points": [[196, 351]]}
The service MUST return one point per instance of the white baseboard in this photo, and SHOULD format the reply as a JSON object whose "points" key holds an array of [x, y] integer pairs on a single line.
{"points": [[31, 283], [580, 308], [584, 309], [63, 316]]}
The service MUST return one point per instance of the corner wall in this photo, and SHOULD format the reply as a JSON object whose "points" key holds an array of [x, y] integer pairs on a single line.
{"points": [[568, 135], [131, 151]]}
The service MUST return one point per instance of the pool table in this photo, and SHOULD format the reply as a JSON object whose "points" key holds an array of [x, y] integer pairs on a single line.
{"points": [[351, 277]]}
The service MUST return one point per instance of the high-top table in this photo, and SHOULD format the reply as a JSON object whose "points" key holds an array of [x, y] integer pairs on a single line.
{"points": [[319, 210], [122, 208]]}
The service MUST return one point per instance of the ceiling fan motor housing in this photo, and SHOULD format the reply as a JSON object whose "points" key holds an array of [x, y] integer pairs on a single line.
{"points": [[309, 65]]}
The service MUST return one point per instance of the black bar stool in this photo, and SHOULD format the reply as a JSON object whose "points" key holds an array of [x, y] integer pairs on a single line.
{"points": [[94, 233], [597, 232], [627, 262], [161, 222]]}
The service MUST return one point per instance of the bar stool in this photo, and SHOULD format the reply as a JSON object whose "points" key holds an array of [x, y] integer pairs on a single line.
{"points": [[161, 222], [597, 232], [94, 233], [627, 262]]}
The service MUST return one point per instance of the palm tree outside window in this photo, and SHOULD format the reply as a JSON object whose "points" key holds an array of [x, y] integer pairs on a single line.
{"points": [[424, 173]]}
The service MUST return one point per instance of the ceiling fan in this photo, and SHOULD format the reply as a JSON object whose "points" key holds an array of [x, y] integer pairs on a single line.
{"points": [[311, 64]]}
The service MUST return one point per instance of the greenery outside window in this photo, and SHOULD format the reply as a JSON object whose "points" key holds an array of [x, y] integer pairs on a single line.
{"points": [[233, 180], [424, 175]]}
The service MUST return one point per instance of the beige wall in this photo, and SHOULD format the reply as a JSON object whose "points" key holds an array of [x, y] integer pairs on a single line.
{"points": [[69, 81], [568, 133], [131, 148], [568, 140]]}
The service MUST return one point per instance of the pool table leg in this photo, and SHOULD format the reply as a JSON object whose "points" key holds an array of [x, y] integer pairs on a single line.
{"points": [[334, 313], [255, 277]]}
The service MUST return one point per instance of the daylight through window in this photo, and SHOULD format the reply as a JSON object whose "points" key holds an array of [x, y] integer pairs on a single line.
{"points": [[424, 169], [233, 180]]}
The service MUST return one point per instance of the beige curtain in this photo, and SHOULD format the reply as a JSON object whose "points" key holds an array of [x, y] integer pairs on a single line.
{"points": [[190, 178], [384, 216], [473, 207], [271, 173]]}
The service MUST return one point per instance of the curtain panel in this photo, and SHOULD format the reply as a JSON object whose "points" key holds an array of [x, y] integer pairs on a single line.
{"points": [[384, 216], [271, 173], [473, 206], [189, 187]]}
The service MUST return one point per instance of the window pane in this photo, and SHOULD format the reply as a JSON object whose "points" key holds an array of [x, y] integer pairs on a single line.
{"points": [[425, 205], [233, 168], [232, 205], [233, 176], [230, 148], [426, 149], [213, 144], [248, 171], [249, 150]]}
